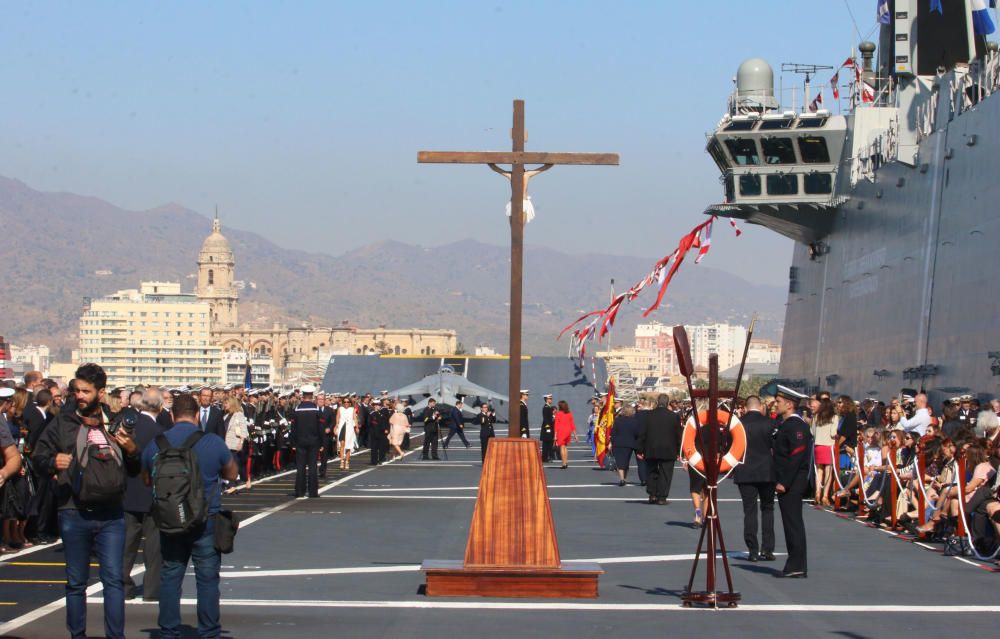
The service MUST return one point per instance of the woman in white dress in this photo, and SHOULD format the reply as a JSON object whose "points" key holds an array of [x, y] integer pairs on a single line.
{"points": [[347, 431]]}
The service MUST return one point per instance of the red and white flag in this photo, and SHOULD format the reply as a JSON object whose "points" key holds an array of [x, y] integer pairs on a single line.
{"points": [[817, 102]]}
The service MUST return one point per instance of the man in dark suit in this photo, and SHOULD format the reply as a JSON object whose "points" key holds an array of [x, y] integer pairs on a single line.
{"points": [[660, 434], [139, 524], [525, 432], [755, 479], [792, 465], [165, 418], [327, 419], [456, 423], [210, 417]]}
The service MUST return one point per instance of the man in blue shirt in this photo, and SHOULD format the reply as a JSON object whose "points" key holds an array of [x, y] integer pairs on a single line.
{"points": [[215, 462]]}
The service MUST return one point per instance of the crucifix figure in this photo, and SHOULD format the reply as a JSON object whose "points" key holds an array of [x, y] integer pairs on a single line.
{"points": [[517, 158]]}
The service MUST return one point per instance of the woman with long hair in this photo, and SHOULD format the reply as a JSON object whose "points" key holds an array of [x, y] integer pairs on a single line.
{"points": [[565, 428], [237, 435], [824, 431], [347, 431]]}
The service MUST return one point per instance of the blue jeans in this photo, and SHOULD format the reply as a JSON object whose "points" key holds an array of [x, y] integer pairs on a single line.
{"points": [[198, 545], [104, 532]]}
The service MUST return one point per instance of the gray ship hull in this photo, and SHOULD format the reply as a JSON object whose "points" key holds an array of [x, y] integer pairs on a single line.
{"points": [[904, 296]]}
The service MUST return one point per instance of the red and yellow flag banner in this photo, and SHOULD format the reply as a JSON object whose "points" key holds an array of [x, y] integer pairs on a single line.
{"points": [[605, 422]]}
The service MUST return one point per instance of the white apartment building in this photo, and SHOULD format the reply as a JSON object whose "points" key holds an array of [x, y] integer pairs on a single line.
{"points": [[726, 340], [152, 335]]}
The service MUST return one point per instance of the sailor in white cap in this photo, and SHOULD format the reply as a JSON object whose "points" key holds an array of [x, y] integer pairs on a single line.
{"points": [[793, 445], [547, 432], [525, 432], [307, 437]]}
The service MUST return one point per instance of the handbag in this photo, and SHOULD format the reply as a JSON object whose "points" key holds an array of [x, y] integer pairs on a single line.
{"points": [[226, 526]]}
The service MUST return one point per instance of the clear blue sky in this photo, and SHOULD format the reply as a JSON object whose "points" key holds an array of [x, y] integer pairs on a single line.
{"points": [[302, 120]]}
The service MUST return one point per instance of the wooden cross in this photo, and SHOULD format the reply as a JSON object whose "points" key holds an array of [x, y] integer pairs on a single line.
{"points": [[518, 177]]}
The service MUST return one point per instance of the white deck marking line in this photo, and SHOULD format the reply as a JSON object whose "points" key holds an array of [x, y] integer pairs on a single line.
{"points": [[637, 497], [306, 572], [38, 613], [585, 607], [893, 533], [388, 490]]}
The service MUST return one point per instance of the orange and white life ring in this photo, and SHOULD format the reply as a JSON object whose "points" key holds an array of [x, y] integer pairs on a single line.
{"points": [[732, 458]]}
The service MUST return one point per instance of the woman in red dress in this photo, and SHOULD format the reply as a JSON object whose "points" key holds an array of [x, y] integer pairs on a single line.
{"points": [[565, 428]]}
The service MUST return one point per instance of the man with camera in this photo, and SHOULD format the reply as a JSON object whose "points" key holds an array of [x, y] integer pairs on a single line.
{"points": [[93, 457], [432, 426]]}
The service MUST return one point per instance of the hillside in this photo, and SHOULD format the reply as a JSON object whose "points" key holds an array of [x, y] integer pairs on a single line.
{"points": [[57, 243]]}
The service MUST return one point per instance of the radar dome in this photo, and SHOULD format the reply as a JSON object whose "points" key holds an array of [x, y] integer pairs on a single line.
{"points": [[755, 86]]}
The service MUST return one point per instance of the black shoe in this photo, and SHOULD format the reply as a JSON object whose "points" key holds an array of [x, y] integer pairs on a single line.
{"points": [[621, 482], [652, 499], [795, 574], [766, 556], [752, 556], [642, 483], [313, 496], [153, 598], [661, 502]]}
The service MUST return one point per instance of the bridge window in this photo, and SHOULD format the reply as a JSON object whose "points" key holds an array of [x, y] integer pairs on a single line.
{"points": [[744, 151], [740, 125], [813, 149], [813, 122], [776, 123], [782, 184], [778, 150], [715, 150], [817, 183], [749, 185]]}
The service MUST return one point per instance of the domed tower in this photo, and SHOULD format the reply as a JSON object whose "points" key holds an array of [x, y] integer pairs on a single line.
{"points": [[216, 271]]}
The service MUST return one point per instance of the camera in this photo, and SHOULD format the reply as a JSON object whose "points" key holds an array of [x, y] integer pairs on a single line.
{"points": [[124, 421]]}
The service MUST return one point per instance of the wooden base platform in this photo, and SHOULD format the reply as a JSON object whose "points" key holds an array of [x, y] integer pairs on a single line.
{"points": [[571, 580]]}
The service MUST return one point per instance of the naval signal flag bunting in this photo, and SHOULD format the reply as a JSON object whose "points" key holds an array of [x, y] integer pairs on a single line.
{"points": [[981, 20]]}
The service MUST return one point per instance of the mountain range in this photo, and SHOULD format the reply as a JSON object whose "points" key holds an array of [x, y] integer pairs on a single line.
{"points": [[61, 248]]}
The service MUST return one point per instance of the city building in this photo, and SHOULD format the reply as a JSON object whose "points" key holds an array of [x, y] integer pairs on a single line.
{"points": [[158, 335], [763, 351], [282, 354], [32, 357], [726, 340], [154, 334], [658, 339]]}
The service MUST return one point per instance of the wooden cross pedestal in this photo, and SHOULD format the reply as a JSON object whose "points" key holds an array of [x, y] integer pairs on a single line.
{"points": [[512, 549]]}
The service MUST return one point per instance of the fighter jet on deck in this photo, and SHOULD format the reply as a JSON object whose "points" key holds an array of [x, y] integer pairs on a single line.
{"points": [[447, 387]]}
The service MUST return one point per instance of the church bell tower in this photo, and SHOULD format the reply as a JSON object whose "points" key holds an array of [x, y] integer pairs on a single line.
{"points": [[216, 275]]}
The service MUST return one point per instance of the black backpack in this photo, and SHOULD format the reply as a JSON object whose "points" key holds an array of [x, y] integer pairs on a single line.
{"points": [[97, 476], [179, 503]]}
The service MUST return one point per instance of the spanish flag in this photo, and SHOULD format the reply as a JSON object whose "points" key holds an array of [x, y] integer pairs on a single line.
{"points": [[604, 424]]}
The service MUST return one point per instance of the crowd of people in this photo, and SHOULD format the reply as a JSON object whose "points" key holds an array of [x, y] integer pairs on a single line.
{"points": [[904, 465], [80, 463], [926, 473]]}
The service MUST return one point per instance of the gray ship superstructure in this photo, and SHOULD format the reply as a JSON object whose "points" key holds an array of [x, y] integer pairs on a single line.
{"points": [[894, 208]]}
